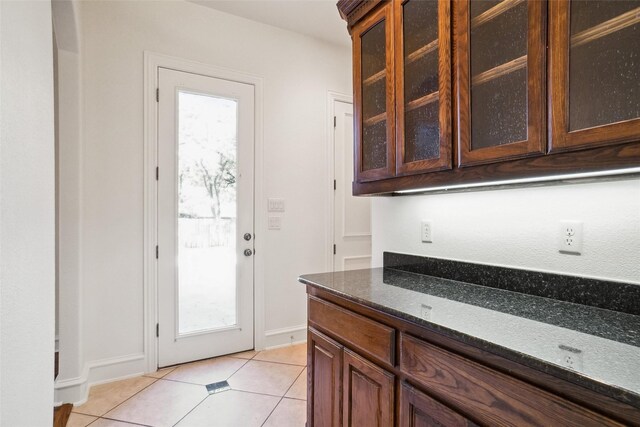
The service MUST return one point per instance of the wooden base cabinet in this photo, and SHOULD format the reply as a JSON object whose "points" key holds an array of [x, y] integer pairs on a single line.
{"points": [[419, 410], [367, 393], [370, 369]]}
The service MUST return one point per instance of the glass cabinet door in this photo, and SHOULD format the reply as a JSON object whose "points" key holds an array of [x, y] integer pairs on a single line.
{"points": [[595, 86], [374, 96], [501, 79], [423, 85]]}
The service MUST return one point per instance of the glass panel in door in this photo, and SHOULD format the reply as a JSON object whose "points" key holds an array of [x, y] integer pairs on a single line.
{"points": [[374, 98], [207, 153], [498, 38], [421, 84], [604, 63]]}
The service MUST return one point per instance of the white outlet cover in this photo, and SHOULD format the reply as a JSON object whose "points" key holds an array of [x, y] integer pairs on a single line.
{"points": [[570, 236], [275, 223], [570, 357], [426, 232]]}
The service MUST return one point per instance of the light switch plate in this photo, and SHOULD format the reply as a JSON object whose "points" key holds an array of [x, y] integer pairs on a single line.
{"points": [[275, 223], [275, 205]]}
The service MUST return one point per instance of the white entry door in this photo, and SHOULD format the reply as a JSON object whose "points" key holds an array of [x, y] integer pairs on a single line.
{"points": [[205, 216], [352, 215]]}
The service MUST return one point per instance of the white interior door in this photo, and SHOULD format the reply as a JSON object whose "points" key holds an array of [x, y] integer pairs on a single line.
{"points": [[205, 216], [352, 215]]}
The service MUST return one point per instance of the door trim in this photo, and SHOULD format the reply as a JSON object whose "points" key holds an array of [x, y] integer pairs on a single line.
{"points": [[152, 62], [332, 98]]}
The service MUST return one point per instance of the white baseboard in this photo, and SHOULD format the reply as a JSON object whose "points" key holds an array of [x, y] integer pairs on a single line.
{"points": [[76, 390], [275, 338]]}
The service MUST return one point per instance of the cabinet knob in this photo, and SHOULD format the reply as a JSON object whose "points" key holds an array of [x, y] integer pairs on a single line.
{"points": [[247, 236], [248, 252]]}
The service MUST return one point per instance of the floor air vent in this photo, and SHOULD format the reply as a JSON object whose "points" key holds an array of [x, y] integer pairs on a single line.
{"points": [[214, 388]]}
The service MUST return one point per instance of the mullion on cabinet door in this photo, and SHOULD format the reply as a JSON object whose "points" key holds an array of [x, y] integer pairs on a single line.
{"points": [[374, 96], [594, 50], [423, 85], [501, 80]]}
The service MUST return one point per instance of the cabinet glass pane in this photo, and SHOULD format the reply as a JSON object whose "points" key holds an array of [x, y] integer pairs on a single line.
{"points": [[422, 128], [500, 39], [420, 37], [499, 111], [374, 98], [605, 42], [498, 50]]}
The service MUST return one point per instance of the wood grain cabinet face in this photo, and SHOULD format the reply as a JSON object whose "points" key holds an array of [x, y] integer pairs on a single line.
{"points": [[419, 410], [374, 96], [423, 85], [368, 395], [501, 80], [325, 380], [594, 73]]}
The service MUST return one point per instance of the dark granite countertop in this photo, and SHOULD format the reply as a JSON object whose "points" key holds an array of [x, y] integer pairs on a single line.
{"points": [[534, 330]]}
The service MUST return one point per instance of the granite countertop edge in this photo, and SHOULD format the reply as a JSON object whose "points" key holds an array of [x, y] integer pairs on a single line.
{"points": [[610, 390]]}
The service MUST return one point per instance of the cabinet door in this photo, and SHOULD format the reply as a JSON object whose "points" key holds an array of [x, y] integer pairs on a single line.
{"points": [[501, 79], [595, 72], [367, 393], [374, 96], [419, 410], [324, 379], [423, 85]]}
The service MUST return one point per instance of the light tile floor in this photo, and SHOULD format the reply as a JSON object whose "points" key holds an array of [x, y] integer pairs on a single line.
{"points": [[268, 388]]}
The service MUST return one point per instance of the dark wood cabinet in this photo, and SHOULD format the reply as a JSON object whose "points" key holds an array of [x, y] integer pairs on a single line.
{"points": [[483, 73], [501, 80], [368, 396], [373, 81], [325, 373], [417, 409], [433, 381], [594, 73], [423, 85]]}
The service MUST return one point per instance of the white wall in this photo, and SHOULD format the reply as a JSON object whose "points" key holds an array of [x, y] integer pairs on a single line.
{"points": [[519, 227], [298, 72], [27, 257]]}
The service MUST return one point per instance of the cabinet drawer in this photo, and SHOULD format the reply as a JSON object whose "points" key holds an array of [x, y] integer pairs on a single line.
{"points": [[489, 396], [358, 332]]}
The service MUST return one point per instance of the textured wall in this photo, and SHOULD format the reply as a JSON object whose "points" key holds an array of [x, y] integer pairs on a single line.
{"points": [[27, 256], [519, 227]]}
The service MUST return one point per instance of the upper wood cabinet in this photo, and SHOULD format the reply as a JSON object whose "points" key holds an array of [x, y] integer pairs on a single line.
{"points": [[474, 91], [374, 96], [594, 73], [501, 80], [402, 81], [423, 85]]}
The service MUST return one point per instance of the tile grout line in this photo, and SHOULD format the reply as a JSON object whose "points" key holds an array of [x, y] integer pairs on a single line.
{"points": [[281, 399], [156, 379], [128, 398], [209, 395]]}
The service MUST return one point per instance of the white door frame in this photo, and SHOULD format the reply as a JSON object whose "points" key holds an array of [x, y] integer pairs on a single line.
{"points": [[153, 61], [332, 97]]}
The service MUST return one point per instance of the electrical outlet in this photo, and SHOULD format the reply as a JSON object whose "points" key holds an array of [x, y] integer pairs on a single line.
{"points": [[570, 237], [425, 311], [570, 357], [426, 232]]}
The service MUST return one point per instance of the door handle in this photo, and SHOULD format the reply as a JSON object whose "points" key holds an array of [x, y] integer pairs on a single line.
{"points": [[248, 252]]}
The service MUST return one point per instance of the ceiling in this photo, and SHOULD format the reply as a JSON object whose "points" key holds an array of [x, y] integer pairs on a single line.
{"points": [[315, 18]]}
